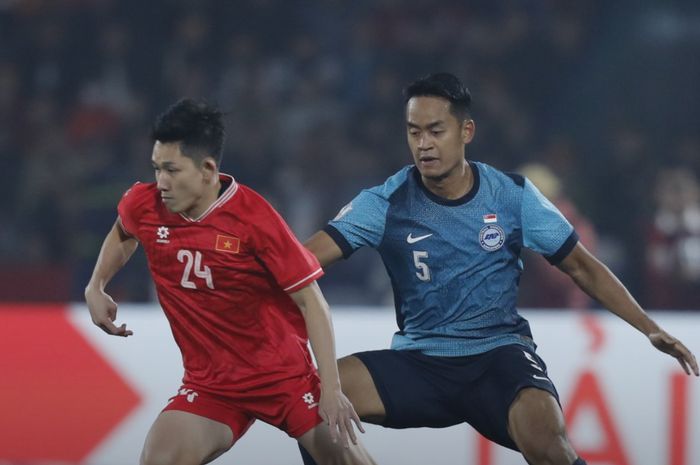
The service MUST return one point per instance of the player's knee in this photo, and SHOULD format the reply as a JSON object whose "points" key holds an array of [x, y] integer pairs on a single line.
{"points": [[553, 449], [537, 427], [339, 455], [317, 447], [164, 456], [149, 456]]}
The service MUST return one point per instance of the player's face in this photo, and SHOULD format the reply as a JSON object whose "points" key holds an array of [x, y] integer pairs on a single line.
{"points": [[182, 184], [436, 137]]}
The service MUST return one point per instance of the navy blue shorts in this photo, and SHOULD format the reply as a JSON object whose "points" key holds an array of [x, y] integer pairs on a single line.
{"points": [[425, 391]]}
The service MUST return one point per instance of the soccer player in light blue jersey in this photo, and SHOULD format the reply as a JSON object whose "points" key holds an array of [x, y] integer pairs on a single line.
{"points": [[450, 232]]}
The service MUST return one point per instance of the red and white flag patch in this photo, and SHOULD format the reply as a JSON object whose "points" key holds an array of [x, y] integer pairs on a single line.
{"points": [[227, 244]]}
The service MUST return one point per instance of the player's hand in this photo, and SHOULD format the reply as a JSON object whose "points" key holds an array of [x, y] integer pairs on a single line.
{"points": [[337, 411], [103, 311], [675, 348]]}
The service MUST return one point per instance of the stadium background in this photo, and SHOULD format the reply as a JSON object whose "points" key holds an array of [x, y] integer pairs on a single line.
{"points": [[604, 94]]}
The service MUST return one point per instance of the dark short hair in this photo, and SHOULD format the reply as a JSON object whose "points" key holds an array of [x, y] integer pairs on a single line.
{"points": [[445, 85], [197, 126]]}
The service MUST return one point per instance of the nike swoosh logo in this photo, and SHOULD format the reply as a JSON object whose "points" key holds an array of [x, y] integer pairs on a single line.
{"points": [[541, 377], [412, 240]]}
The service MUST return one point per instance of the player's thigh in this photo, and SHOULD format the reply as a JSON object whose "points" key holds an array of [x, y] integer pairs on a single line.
{"points": [[506, 371], [359, 387], [403, 389], [183, 438], [317, 442], [536, 424]]}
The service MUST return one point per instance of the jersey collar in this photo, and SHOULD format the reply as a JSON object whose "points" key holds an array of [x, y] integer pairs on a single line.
{"points": [[450, 202], [223, 198]]}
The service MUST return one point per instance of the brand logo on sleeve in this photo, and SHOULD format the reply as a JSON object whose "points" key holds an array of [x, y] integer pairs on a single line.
{"points": [[343, 211], [492, 237]]}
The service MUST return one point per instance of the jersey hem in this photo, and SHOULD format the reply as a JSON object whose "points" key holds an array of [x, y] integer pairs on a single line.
{"points": [[459, 350]]}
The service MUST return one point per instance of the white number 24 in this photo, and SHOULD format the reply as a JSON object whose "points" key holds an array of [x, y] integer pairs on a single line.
{"points": [[204, 272]]}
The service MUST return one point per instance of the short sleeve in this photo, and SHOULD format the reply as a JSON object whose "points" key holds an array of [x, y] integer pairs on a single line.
{"points": [[128, 212], [545, 230], [291, 264], [359, 223]]}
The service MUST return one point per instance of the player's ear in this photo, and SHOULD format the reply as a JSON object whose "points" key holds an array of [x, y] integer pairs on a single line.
{"points": [[209, 169], [468, 129]]}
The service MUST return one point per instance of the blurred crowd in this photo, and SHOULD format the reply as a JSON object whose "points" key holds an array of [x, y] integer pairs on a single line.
{"points": [[601, 97]]}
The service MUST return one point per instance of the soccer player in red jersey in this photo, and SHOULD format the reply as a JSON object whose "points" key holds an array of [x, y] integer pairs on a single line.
{"points": [[241, 297]]}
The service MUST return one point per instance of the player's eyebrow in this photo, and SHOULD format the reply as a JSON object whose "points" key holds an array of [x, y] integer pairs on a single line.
{"points": [[429, 126], [165, 164]]}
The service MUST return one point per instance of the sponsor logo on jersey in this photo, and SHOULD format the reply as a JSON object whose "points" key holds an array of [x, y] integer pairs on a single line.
{"points": [[309, 399], [412, 240], [163, 234], [228, 244], [492, 237], [490, 218]]}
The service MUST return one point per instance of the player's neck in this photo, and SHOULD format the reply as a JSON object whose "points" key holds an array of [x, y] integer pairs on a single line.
{"points": [[209, 196], [456, 184]]}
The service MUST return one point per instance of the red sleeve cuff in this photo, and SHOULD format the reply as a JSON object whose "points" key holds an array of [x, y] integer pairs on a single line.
{"points": [[304, 281]]}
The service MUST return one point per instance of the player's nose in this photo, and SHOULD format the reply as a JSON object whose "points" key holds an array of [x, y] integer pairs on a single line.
{"points": [[161, 183], [424, 142]]}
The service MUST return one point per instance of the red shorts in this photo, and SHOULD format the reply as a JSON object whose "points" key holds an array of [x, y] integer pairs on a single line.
{"points": [[291, 406]]}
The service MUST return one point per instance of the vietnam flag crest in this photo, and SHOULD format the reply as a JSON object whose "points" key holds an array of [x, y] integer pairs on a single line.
{"points": [[227, 244]]}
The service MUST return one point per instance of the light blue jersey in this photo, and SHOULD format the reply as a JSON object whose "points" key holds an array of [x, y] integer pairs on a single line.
{"points": [[454, 264]]}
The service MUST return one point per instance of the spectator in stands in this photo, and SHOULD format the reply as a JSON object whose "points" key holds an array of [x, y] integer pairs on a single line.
{"points": [[673, 252]]}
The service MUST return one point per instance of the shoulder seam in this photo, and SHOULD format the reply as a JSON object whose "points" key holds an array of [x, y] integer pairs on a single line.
{"points": [[518, 179]]}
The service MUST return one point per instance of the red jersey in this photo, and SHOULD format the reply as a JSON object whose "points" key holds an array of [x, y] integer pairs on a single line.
{"points": [[223, 281]]}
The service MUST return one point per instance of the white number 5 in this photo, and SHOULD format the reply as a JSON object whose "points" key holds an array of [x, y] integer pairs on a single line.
{"points": [[424, 272], [204, 272]]}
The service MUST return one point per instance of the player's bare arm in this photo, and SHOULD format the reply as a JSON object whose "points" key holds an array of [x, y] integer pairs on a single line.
{"points": [[334, 407], [326, 250], [600, 283], [117, 249]]}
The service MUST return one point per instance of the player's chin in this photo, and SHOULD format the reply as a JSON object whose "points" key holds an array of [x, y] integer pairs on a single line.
{"points": [[430, 172], [172, 206]]}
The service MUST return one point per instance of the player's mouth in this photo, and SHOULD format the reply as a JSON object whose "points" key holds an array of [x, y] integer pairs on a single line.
{"points": [[428, 161]]}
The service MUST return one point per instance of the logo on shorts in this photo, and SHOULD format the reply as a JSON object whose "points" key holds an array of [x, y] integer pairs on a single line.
{"points": [[309, 399], [534, 364], [191, 395], [492, 237]]}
